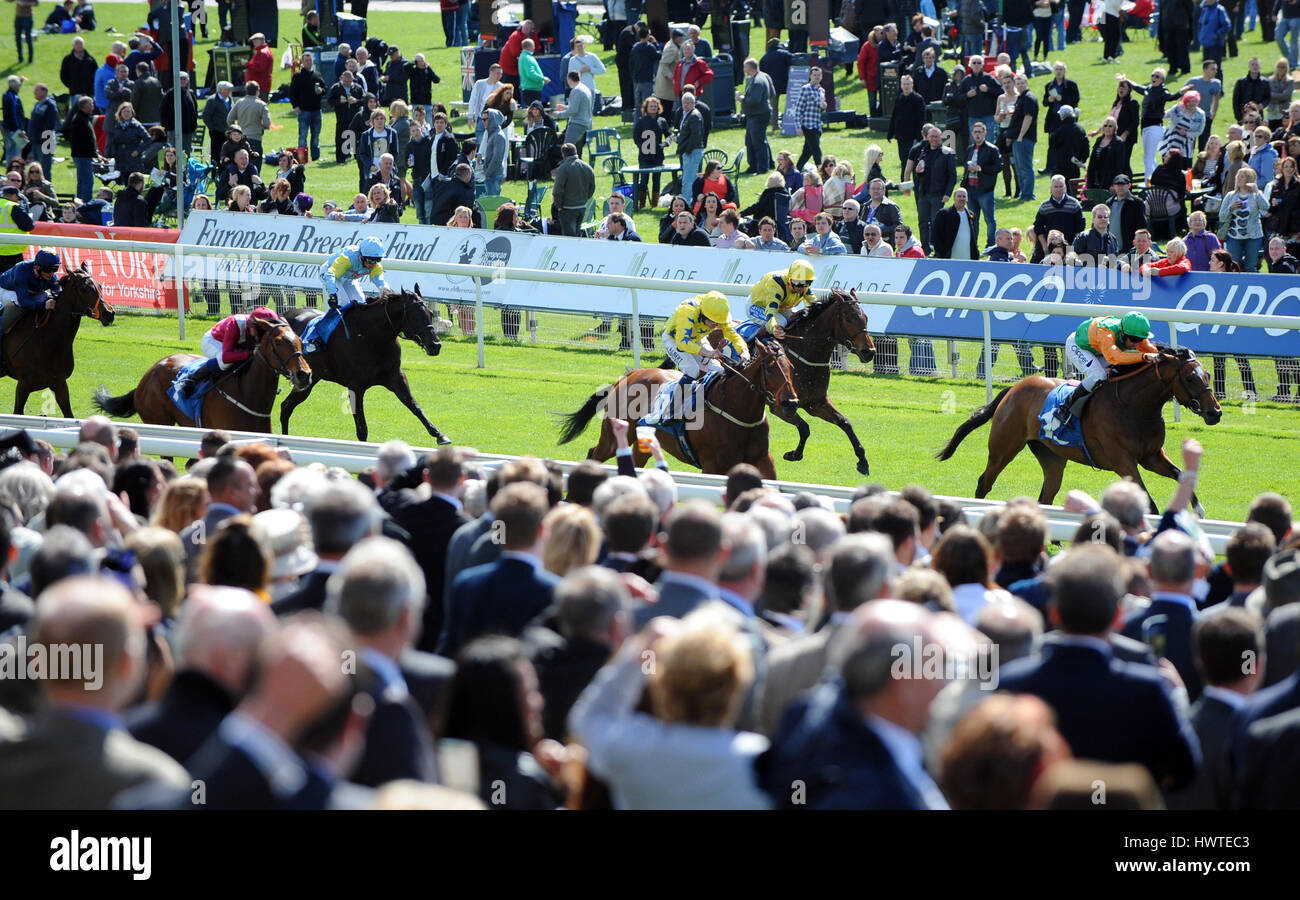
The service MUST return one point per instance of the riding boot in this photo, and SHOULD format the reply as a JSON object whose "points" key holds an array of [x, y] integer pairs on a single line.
{"points": [[1075, 401], [210, 369]]}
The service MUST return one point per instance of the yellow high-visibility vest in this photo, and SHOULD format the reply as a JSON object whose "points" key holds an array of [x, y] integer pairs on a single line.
{"points": [[7, 224]]}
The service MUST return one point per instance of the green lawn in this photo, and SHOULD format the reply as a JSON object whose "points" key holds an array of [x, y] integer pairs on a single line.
{"points": [[422, 32], [901, 421]]}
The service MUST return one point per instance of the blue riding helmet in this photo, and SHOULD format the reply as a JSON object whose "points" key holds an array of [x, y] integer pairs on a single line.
{"points": [[46, 259], [371, 248]]}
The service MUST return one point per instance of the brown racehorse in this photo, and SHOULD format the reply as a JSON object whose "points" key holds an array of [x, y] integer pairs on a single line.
{"points": [[38, 351], [1122, 423], [810, 340], [731, 417], [240, 400]]}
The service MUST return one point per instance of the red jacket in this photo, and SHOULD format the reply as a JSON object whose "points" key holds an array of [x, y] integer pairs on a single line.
{"points": [[259, 69], [868, 60], [236, 345], [698, 74], [1163, 267], [510, 53]]}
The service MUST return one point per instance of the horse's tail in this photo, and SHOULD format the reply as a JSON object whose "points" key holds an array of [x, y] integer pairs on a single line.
{"points": [[119, 407], [575, 422], [977, 418]]}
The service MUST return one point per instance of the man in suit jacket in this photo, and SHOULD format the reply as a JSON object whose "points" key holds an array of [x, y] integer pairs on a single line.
{"points": [[1225, 641], [379, 592], [431, 522], [1270, 778], [854, 741], [1106, 710], [76, 754], [695, 552], [341, 514], [593, 615], [1264, 704], [1166, 625], [955, 230], [218, 637], [233, 489], [504, 596], [860, 568]]}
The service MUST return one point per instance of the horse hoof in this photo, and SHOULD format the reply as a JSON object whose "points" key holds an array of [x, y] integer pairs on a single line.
{"points": [[863, 468], [443, 440], [792, 456]]}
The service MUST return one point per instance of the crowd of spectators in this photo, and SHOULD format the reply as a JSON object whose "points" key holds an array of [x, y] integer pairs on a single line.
{"points": [[522, 639]]}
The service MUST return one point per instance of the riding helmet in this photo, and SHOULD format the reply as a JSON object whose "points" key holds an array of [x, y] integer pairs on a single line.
{"points": [[800, 272], [1136, 325], [371, 248], [263, 312], [47, 259], [715, 306]]}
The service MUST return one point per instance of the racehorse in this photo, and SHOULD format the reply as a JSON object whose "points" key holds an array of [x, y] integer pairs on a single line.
{"points": [[38, 350], [1122, 424], [366, 354], [732, 414], [241, 399], [810, 340]]}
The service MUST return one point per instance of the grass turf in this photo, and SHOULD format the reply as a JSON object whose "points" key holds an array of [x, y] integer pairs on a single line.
{"points": [[422, 33], [507, 408]]}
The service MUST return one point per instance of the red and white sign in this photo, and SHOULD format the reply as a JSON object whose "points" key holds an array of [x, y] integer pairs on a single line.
{"points": [[126, 277]]}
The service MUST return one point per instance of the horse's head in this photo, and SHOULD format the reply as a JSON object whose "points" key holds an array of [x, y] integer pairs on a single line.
{"points": [[769, 370], [79, 295], [279, 348], [1191, 384], [418, 322], [851, 325]]}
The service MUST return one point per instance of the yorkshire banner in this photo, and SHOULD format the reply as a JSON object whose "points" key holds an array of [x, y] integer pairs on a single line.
{"points": [[126, 277], [229, 237]]}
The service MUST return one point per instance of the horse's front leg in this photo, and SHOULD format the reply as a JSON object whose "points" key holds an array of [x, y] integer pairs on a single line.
{"points": [[1160, 463], [61, 397], [792, 416], [21, 392], [401, 388], [824, 409]]}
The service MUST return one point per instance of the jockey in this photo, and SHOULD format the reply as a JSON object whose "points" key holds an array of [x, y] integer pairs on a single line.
{"points": [[227, 344], [341, 274], [30, 285], [774, 297], [685, 338], [1096, 345]]}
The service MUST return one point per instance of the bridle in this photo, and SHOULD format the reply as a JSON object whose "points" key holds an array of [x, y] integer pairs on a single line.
{"points": [[281, 364], [408, 303], [1192, 391], [768, 359]]}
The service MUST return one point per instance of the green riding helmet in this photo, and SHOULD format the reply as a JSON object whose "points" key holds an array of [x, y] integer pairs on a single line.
{"points": [[1135, 325]]}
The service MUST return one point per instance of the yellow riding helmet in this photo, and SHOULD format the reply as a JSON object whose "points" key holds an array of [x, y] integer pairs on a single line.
{"points": [[715, 306], [800, 275]]}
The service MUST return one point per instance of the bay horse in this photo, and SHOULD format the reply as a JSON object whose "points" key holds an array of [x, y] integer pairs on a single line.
{"points": [[732, 414], [241, 399], [367, 354], [38, 350], [1123, 427]]}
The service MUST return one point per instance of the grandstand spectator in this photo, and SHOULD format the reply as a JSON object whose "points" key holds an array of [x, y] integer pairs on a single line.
{"points": [[873, 242], [956, 229], [252, 116], [1059, 212]]}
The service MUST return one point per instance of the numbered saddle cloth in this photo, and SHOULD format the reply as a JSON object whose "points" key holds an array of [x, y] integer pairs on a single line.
{"points": [[1069, 434]]}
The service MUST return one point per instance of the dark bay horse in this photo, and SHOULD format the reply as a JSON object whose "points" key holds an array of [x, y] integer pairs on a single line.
{"points": [[367, 354], [1122, 423], [731, 417], [810, 341], [38, 351], [241, 399]]}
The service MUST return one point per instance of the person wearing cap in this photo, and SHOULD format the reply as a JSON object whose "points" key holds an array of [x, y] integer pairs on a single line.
{"points": [[1067, 145], [226, 345], [341, 274], [1092, 348], [215, 114], [103, 75], [289, 537], [394, 77], [775, 297], [261, 64], [685, 339], [29, 285], [1128, 214], [304, 203]]}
